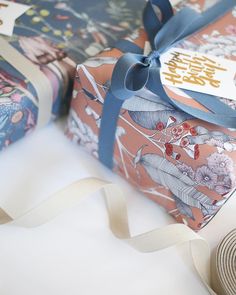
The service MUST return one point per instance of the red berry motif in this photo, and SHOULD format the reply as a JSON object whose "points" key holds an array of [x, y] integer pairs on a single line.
{"points": [[196, 152], [186, 126], [180, 130], [169, 149], [174, 130], [193, 131], [173, 118], [178, 156], [160, 126]]}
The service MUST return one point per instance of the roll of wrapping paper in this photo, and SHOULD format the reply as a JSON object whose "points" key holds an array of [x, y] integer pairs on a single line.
{"points": [[223, 274]]}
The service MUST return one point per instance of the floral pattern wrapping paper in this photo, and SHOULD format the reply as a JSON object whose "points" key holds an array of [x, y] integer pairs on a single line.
{"points": [[56, 35], [184, 164]]}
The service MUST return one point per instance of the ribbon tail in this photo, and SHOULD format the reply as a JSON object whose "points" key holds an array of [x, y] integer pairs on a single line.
{"points": [[110, 116], [212, 14], [187, 22], [211, 102], [154, 84], [126, 46]]}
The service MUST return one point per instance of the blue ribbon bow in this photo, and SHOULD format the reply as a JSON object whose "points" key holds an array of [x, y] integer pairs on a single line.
{"points": [[135, 71]]}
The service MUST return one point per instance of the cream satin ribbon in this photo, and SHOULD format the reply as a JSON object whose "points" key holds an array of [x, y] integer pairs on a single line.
{"points": [[224, 266], [148, 242], [37, 78]]}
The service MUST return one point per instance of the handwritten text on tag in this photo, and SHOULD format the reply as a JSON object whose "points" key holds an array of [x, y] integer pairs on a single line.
{"points": [[199, 72]]}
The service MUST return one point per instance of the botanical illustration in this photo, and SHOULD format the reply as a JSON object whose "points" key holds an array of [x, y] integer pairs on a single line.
{"points": [[55, 35], [182, 163]]}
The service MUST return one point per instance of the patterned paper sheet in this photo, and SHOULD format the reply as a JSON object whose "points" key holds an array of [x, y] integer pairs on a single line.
{"points": [[56, 35], [184, 164]]}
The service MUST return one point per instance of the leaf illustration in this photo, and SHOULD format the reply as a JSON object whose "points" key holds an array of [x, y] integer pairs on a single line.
{"points": [[183, 208], [209, 210], [145, 100], [3, 120], [93, 84], [168, 175], [138, 156], [147, 110], [89, 94], [204, 135]]}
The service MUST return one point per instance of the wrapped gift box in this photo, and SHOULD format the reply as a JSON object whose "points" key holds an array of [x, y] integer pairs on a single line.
{"points": [[184, 164], [55, 36]]}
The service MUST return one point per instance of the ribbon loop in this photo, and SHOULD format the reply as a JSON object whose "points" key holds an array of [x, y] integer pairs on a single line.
{"points": [[152, 22], [130, 75]]}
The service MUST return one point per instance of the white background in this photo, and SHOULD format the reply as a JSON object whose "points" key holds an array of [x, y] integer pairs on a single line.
{"points": [[76, 253]]}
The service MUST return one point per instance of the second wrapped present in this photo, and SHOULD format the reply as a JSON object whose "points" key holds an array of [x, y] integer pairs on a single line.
{"points": [[38, 61]]}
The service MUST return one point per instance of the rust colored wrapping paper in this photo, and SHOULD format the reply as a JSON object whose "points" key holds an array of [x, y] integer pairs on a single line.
{"points": [[184, 164]]}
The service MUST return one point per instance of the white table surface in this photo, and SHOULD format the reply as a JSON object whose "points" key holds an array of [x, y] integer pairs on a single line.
{"points": [[76, 253]]}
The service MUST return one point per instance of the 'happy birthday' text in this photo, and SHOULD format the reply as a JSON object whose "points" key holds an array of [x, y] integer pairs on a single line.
{"points": [[184, 68]]}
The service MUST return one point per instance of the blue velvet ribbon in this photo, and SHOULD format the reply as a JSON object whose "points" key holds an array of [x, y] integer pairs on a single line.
{"points": [[135, 71]]}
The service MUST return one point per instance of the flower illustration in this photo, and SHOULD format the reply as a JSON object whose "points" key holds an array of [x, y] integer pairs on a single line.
{"points": [[215, 142], [224, 185], [220, 163], [16, 97], [186, 170], [206, 177], [231, 29], [82, 133], [177, 131]]}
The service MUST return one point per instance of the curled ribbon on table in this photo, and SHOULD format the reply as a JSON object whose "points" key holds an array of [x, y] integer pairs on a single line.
{"points": [[223, 273], [224, 267], [135, 71]]}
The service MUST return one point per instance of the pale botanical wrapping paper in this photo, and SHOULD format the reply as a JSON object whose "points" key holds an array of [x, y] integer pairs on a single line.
{"points": [[183, 164]]}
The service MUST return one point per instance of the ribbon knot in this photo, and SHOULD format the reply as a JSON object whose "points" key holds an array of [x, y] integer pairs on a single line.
{"points": [[153, 59]]}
